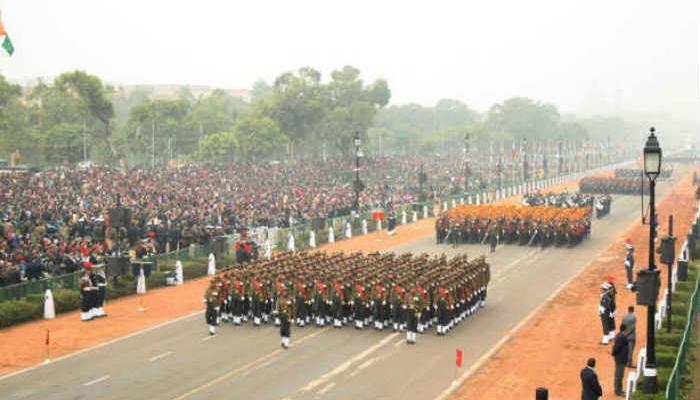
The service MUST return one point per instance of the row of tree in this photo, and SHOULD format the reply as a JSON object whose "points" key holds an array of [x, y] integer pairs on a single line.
{"points": [[78, 117]]}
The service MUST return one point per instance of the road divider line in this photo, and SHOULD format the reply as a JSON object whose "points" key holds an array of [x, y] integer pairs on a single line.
{"points": [[344, 366], [98, 380], [326, 388], [245, 367], [210, 337], [115, 340], [159, 356]]}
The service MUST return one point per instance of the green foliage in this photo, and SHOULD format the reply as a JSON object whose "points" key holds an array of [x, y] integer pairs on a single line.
{"points": [[217, 147], [17, 311], [259, 137]]}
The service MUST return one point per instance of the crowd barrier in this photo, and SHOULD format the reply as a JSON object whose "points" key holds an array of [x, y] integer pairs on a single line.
{"points": [[71, 280]]}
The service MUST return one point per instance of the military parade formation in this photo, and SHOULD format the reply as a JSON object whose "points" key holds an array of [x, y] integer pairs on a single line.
{"points": [[613, 185], [506, 224], [384, 291], [601, 203]]}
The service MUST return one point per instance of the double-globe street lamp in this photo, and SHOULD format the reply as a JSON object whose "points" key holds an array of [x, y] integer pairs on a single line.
{"points": [[652, 169]]}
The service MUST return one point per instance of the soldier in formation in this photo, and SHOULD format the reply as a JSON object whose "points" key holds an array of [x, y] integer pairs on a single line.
{"points": [[409, 293], [539, 225]]}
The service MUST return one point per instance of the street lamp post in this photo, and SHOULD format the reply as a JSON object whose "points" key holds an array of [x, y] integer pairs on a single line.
{"points": [[358, 183], [466, 163], [652, 168]]}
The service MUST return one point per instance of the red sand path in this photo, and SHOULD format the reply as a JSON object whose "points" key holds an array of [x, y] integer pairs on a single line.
{"points": [[553, 346]]}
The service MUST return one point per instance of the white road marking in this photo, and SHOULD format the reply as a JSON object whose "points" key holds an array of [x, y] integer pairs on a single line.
{"points": [[98, 380], [210, 337], [399, 343], [115, 340], [326, 388], [344, 366], [159, 356]]}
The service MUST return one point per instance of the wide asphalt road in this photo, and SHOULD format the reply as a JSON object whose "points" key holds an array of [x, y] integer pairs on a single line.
{"points": [[180, 360]]}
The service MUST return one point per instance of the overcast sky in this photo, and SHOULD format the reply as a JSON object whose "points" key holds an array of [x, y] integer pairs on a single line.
{"points": [[580, 55]]}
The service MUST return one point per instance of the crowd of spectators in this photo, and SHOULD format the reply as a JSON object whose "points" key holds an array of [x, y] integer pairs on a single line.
{"points": [[55, 219]]}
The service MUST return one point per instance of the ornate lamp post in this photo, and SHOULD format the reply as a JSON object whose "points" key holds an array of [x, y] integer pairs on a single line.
{"points": [[358, 185], [652, 168], [466, 163]]}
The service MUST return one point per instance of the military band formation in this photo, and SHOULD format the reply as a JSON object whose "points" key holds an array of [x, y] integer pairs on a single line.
{"points": [[506, 224], [384, 291]]}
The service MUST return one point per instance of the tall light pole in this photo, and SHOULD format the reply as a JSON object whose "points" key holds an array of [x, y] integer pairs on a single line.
{"points": [[652, 168], [359, 186], [466, 163]]}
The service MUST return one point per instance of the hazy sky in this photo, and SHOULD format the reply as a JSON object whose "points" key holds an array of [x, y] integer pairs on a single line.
{"points": [[572, 53]]}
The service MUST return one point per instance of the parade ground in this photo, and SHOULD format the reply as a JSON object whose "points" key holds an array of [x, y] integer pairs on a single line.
{"points": [[179, 360]]}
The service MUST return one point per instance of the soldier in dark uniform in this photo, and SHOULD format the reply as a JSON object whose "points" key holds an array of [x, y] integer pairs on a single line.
{"points": [[99, 280], [412, 317], [86, 292], [629, 263], [604, 310], [212, 300], [286, 314]]}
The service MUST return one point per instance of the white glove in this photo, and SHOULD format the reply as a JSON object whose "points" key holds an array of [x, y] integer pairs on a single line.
{"points": [[601, 310]]}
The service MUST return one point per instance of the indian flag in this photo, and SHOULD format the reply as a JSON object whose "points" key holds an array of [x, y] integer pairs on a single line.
{"points": [[6, 42]]}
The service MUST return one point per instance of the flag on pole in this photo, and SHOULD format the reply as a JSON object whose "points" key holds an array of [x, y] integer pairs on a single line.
{"points": [[458, 358], [6, 42]]}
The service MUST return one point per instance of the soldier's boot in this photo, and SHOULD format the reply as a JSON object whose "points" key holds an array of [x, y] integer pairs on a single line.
{"points": [[84, 316], [358, 324], [440, 330], [265, 318], [285, 342], [277, 321], [256, 321], [605, 340], [380, 326], [420, 328], [396, 326], [212, 330]]}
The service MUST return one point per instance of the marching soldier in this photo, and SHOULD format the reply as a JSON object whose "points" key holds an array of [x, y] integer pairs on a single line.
{"points": [[286, 314], [212, 300], [413, 315]]}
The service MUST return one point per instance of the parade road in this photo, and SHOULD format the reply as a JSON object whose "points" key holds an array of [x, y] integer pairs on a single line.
{"points": [[179, 360]]}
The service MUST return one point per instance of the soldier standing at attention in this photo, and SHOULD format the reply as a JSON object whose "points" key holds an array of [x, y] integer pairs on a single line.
{"points": [[86, 291], [604, 310], [629, 263]]}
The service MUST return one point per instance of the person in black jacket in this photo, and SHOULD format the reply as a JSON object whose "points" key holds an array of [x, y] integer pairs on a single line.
{"points": [[591, 389], [621, 353]]}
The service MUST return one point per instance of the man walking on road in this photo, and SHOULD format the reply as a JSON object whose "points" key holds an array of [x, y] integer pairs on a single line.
{"points": [[630, 321], [590, 387], [621, 353]]}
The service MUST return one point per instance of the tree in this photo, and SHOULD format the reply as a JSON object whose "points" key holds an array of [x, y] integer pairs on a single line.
{"points": [[296, 104], [217, 147], [521, 117], [13, 114], [216, 112], [163, 124], [259, 137], [351, 106], [95, 100]]}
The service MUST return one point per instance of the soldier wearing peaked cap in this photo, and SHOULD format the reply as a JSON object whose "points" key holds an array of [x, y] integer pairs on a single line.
{"points": [[212, 300]]}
